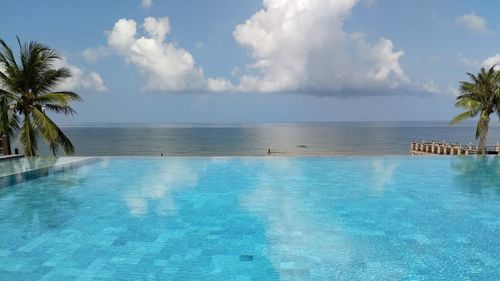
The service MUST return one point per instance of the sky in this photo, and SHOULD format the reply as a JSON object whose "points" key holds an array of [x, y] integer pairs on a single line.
{"points": [[261, 60]]}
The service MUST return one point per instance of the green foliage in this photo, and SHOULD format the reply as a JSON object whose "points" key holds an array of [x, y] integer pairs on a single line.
{"points": [[27, 90], [479, 97]]}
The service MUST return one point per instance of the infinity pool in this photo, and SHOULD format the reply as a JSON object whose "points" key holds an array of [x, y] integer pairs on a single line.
{"points": [[255, 218]]}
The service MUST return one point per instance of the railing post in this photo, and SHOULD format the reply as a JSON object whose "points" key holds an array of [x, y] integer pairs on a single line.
{"points": [[439, 148]]}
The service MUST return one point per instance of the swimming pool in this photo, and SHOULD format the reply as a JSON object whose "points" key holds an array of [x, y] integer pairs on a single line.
{"points": [[255, 218]]}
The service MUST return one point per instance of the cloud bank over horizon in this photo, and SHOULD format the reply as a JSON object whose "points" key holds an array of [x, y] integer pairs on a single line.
{"points": [[296, 46]]}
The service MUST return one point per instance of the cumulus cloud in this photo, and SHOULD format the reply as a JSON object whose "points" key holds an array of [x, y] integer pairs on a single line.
{"points": [[95, 54], [431, 87], [165, 66], [80, 79], [146, 3], [301, 46], [468, 61], [297, 46], [434, 88], [472, 22], [493, 60]]}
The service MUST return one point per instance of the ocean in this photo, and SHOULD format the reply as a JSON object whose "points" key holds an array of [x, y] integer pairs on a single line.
{"points": [[207, 139]]}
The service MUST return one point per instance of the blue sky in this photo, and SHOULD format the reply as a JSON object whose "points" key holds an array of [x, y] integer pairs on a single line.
{"points": [[261, 61]]}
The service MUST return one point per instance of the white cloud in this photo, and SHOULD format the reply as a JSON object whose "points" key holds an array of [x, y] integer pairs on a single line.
{"points": [[80, 79], [95, 54], [301, 46], [434, 88], [431, 87], [472, 22], [146, 3], [493, 60], [468, 61], [199, 45], [297, 46], [165, 66]]}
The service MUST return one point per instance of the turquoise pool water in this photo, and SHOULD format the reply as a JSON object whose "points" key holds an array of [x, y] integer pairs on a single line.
{"points": [[255, 218]]}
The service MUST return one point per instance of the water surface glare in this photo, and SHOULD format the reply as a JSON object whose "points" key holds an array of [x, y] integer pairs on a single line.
{"points": [[256, 218]]}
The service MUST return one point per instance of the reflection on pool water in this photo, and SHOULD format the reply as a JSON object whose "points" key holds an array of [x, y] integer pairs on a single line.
{"points": [[277, 218], [18, 165]]}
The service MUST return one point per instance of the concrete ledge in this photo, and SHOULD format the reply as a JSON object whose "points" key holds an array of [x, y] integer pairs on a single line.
{"points": [[5, 157], [31, 174]]}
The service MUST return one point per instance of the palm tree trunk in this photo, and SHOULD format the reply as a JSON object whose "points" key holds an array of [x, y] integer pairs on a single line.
{"points": [[6, 144], [483, 137], [9, 145]]}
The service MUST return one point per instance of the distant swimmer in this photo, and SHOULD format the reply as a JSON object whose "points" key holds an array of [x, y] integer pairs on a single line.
{"points": [[268, 151]]}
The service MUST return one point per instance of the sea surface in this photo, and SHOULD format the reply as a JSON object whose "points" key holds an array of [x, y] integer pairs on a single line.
{"points": [[207, 139]]}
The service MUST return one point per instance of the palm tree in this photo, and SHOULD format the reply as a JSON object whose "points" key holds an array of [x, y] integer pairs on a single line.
{"points": [[28, 86], [479, 97]]}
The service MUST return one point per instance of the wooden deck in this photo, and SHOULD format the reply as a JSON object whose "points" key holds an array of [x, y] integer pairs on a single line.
{"points": [[445, 148]]}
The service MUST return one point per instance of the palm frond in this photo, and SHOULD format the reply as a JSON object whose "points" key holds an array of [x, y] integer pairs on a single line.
{"points": [[9, 122], [63, 97], [49, 78], [7, 95], [463, 116], [28, 137], [45, 126], [52, 134], [65, 142], [56, 108], [6, 54]]}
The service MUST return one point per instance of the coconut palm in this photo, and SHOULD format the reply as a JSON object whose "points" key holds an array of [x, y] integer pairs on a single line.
{"points": [[28, 85], [479, 97]]}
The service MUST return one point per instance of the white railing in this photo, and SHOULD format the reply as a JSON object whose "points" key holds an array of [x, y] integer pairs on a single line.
{"points": [[445, 148]]}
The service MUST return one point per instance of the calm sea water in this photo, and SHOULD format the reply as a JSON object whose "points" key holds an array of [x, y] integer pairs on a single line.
{"points": [[339, 138]]}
